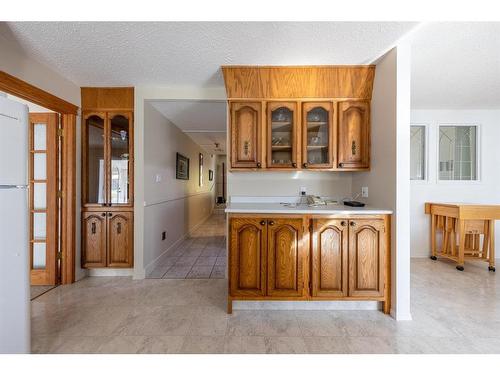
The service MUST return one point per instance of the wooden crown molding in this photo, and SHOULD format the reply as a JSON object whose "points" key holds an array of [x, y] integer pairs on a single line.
{"points": [[26, 91], [282, 82]]}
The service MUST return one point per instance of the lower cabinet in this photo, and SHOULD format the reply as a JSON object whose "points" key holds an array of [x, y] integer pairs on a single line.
{"points": [[267, 257], [339, 258], [107, 239]]}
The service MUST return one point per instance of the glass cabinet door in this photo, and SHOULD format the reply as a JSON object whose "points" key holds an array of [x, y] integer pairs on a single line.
{"points": [[281, 135], [94, 171], [120, 150], [317, 135]]}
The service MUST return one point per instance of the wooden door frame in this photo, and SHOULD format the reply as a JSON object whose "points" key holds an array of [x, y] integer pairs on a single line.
{"points": [[68, 112]]}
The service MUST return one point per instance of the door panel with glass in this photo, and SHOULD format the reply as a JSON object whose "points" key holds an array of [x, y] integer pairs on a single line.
{"points": [[43, 186], [282, 135], [318, 132]]}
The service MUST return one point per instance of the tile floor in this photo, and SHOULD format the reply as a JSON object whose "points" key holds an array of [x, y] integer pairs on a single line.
{"points": [[453, 312], [201, 256]]}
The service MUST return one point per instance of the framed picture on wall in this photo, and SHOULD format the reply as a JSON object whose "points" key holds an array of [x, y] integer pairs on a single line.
{"points": [[200, 169], [181, 167], [210, 175]]}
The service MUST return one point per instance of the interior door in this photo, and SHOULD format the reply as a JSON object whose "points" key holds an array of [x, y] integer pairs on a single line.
{"points": [[285, 270], [43, 205], [329, 257]]}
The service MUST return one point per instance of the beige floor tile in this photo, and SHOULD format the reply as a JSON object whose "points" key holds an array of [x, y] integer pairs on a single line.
{"points": [[200, 272], [203, 345]]}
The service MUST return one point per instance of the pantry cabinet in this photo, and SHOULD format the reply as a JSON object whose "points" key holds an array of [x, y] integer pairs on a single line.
{"points": [[354, 135]]}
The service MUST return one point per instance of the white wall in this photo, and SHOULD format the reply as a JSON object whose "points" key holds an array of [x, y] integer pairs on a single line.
{"points": [[171, 205], [388, 180], [17, 64], [484, 191]]}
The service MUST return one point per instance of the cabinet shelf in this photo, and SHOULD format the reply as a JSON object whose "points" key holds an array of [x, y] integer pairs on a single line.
{"points": [[311, 147], [281, 148]]}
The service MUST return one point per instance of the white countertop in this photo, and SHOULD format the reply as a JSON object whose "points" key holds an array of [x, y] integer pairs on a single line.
{"points": [[278, 208]]}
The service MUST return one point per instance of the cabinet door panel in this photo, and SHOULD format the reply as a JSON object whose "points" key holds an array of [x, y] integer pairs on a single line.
{"points": [[94, 156], [329, 258], [353, 134], [246, 122], [285, 273], [366, 258], [282, 145], [120, 239], [94, 239], [247, 257], [317, 135]]}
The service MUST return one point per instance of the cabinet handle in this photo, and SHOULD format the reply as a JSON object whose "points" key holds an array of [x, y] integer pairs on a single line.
{"points": [[259, 165], [304, 165], [263, 222], [103, 214], [271, 222], [246, 146], [294, 165], [353, 147], [119, 228], [341, 165], [352, 223], [343, 223], [110, 214], [93, 228]]}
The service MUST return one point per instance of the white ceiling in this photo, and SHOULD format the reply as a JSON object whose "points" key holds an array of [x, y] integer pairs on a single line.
{"points": [[456, 66], [203, 121], [190, 54]]}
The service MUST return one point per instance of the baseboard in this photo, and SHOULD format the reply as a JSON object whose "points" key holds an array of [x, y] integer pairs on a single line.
{"points": [[110, 272], [307, 305], [152, 265]]}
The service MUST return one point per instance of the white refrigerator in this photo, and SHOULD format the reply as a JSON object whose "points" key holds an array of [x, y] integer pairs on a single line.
{"points": [[14, 257]]}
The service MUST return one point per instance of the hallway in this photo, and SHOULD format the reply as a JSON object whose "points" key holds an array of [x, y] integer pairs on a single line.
{"points": [[200, 256]]}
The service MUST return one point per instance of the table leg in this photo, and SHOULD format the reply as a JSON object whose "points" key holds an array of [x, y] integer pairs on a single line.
{"points": [[461, 245], [492, 246], [486, 240], [433, 237]]}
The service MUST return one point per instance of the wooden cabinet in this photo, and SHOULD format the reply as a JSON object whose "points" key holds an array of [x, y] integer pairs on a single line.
{"points": [[275, 258], [285, 257], [282, 137], [120, 239], [329, 257], [266, 257], [107, 177], [367, 260], [354, 135], [248, 243], [107, 239], [318, 134], [246, 134]]}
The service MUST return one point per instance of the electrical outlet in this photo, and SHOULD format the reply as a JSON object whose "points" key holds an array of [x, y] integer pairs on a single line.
{"points": [[303, 190], [163, 236], [158, 178], [364, 191]]}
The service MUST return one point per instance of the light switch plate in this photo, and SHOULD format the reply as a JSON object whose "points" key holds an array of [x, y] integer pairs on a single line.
{"points": [[158, 178]]}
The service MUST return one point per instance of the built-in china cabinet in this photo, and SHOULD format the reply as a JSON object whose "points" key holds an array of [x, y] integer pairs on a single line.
{"points": [[299, 118], [107, 177]]}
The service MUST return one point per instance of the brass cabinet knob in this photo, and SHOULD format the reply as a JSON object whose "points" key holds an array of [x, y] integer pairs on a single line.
{"points": [[103, 214], [259, 165], [304, 165], [110, 214], [294, 165], [343, 223], [271, 222], [263, 222], [352, 223], [341, 165]]}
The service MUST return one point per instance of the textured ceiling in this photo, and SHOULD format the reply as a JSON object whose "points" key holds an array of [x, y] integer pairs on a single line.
{"points": [[190, 54], [456, 66], [203, 121]]}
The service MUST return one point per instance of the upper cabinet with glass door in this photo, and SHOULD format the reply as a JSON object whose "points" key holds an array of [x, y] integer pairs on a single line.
{"points": [[282, 135], [107, 165], [317, 135]]}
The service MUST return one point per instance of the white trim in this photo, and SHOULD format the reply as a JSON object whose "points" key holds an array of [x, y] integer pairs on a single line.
{"points": [[426, 179], [479, 149]]}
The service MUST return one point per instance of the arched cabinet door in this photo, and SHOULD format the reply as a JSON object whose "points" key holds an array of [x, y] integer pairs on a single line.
{"points": [[246, 134], [318, 130], [120, 239], [286, 253], [354, 135], [94, 239], [367, 247], [247, 257], [329, 257]]}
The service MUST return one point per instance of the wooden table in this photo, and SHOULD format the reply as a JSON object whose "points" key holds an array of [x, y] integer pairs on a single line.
{"points": [[470, 221]]}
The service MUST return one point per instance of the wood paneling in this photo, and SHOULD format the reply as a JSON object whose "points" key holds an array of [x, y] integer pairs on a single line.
{"points": [[247, 257], [94, 239], [246, 134], [329, 257], [367, 246], [292, 82], [354, 135], [107, 98], [120, 239], [24, 90], [285, 271]]}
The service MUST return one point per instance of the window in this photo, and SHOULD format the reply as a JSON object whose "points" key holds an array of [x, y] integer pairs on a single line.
{"points": [[417, 152], [458, 152]]}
